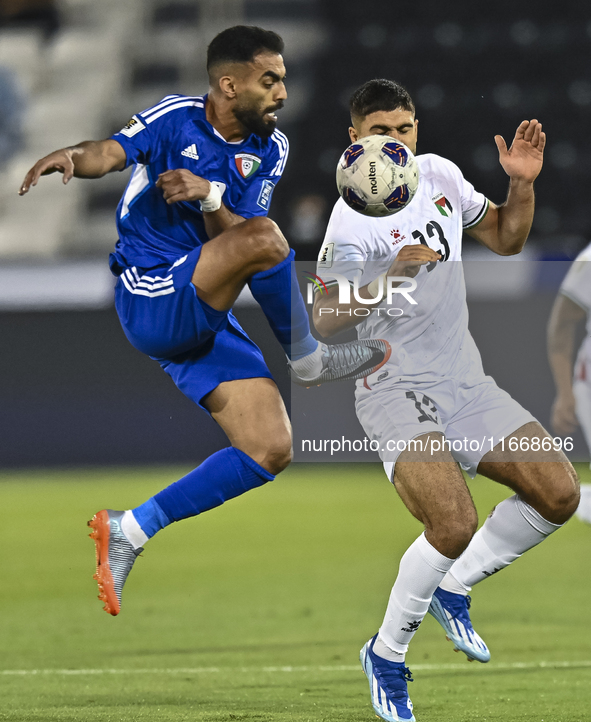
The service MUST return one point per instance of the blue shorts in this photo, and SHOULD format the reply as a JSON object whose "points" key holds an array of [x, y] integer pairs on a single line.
{"points": [[198, 346]]}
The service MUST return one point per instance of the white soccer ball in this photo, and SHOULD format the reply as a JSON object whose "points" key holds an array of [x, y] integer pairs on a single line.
{"points": [[377, 176]]}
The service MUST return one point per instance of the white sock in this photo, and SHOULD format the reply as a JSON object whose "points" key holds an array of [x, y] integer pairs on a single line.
{"points": [[511, 529], [133, 530], [310, 366], [584, 508], [421, 570]]}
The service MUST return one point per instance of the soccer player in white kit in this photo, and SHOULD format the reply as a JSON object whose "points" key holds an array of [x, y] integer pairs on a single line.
{"points": [[433, 390], [572, 406]]}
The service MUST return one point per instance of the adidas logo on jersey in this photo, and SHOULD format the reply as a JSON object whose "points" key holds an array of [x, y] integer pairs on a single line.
{"points": [[191, 152]]}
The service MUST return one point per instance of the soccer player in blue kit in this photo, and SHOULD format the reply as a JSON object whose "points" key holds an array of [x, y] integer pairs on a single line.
{"points": [[192, 233]]}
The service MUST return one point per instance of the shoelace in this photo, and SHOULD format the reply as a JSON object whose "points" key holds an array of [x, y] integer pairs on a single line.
{"points": [[347, 355], [459, 608], [394, 675]]}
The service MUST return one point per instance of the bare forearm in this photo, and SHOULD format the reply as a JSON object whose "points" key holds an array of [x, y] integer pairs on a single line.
{"points": [[561, 344], [515, 217], [219, 221], [564, 319], [89, 159], [95, 158], [562, 372]]}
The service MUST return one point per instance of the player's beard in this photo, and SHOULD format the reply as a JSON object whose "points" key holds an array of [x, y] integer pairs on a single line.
{"points": [[254, 121]]}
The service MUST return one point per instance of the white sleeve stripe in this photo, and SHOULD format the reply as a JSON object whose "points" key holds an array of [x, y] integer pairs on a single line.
{"points": [[185, 104], [283, 146], [281, 140], [165, 101], [169, 100]]}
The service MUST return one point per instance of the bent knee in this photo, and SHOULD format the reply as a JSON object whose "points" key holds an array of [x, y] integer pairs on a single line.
{"points": [[265, 241], [564, 498], [275, 456], [278, 458], [451, 536]]}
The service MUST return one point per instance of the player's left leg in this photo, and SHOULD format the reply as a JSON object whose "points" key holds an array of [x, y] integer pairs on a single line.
{"points": [[256, 253], [253, 415], [582, 393], [547, 495]]}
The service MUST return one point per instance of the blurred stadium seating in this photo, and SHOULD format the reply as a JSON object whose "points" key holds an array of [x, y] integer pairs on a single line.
{"points": [[87, 65], [472, 75]]}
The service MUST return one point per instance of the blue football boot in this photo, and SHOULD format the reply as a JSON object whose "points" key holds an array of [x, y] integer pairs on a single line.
{"points": [[387, 685], [451, 611]]}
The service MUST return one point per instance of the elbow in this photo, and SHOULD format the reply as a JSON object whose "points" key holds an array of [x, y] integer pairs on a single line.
{"points": [[510, 249]]}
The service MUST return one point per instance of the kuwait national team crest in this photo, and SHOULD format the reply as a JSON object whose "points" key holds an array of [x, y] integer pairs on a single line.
{"points": [[247, 164], [443, 205]]}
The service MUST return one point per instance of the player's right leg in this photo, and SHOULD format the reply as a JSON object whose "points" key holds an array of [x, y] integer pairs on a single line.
{"points": [[434, 491], [582, 392], [256, 253], [253, 415]]}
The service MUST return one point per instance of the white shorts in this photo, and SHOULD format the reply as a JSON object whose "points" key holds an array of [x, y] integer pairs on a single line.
{"points": [[473, 419]]}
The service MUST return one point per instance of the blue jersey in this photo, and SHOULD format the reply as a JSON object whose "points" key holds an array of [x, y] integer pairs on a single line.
{"points": [[176, 134]]}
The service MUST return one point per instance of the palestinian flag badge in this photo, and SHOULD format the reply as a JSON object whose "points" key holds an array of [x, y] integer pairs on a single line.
{"points": [[443, 205], [247, 164]]}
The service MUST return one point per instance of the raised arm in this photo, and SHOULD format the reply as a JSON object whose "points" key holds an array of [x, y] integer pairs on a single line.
{"points": [[565, 317], [505, 228], [89, 159]]}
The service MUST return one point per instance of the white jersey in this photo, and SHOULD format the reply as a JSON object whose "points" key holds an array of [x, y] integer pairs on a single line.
{"points": [[429, 339], [577, 287]]}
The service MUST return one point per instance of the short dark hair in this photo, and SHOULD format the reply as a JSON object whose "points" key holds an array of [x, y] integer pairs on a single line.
{"points": [[379, 94], [241, 43]]}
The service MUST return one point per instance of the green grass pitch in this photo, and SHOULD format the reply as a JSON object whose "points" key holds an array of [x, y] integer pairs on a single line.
{"points": [[257, 610]]}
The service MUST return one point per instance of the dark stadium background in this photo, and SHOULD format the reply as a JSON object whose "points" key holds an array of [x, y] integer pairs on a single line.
{"points": [[72, 390]]}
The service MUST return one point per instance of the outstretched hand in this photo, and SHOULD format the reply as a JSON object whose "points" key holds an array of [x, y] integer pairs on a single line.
{"points": [[523, 160], [60, 161]]}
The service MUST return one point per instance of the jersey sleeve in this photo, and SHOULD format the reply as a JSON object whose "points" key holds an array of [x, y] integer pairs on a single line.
{"points": [[474, 204], [139, 138], [136, 140], [256, 201], [577, 282], [344, 250]]}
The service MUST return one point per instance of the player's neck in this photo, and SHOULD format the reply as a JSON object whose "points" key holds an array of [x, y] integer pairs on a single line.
{"points": [[219, 114]]}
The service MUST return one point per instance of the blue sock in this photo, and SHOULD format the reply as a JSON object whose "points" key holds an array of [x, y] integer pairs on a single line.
{"points": [[224, 475], [277, 292]]}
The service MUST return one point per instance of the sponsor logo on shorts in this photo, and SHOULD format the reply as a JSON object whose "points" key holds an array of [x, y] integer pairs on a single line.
{"points": [[264, 199], [133, 127]]}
